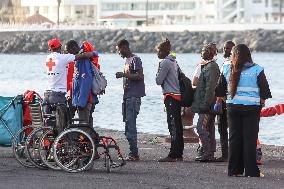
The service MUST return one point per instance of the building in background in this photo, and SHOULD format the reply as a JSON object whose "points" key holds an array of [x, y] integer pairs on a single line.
{"points": [[196, 11], [158, 12], [11, 11], [123, 20], [70, 11]]}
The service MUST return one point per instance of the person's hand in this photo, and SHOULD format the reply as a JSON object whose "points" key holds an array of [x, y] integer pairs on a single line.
{"points": [[262, 102], [119, 75], [89, 54], [219, 100], [95, 53], [216, 107]]}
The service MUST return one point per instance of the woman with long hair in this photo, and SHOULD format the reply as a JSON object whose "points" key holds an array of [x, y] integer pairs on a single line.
{"points": [[244, 85]]}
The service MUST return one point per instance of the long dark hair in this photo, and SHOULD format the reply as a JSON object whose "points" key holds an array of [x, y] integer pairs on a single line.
{"points": [[240, 55]]}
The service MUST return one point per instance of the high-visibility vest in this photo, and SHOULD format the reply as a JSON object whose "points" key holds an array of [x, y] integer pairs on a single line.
{"points": [[247, 90]]}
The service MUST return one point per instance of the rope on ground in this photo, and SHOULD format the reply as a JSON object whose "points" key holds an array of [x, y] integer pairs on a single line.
{"points": [[272, 111]]}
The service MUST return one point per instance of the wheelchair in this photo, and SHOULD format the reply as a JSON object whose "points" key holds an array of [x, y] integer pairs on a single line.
{"points": [[27, 149], [25, 145], [75, 151], [58, 141], [76, 148]]}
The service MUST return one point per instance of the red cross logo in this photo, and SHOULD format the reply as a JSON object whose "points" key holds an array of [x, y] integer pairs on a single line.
{"points": [[50, 64]]}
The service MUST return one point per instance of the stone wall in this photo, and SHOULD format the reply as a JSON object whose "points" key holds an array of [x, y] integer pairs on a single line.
{"points": [[141, 42]]}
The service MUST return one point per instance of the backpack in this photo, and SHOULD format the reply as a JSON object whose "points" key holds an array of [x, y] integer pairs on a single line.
{"points": [[99, 81], [186, 90], [28, 97]]}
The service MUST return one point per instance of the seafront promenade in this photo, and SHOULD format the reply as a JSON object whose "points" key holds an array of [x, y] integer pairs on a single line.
{"points": [[147, 173]]}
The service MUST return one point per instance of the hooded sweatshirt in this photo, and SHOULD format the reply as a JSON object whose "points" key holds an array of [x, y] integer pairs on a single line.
{"points": [[167, 76]]}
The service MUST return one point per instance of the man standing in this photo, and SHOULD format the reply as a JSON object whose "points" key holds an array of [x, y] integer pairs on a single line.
{"points": [[134, 89], [222, 118], [196, 75], [56, 67], [167, 77], [203, 103], [82, 97]]}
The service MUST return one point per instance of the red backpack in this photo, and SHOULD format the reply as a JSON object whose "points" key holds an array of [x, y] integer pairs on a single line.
{"points": [[29, 97], [87, 47]]}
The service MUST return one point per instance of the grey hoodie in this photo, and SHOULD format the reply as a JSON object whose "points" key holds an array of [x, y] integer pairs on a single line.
{"points": [[167, 76]]}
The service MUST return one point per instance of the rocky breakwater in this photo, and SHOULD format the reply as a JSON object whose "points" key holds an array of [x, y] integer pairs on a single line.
{"points": [[141, 42]]}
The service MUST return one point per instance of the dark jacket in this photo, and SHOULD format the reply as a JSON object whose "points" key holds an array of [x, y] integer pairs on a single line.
{"points": [[204, 97]]}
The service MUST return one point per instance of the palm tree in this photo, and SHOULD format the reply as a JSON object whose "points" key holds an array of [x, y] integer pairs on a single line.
{"points": [[58, 5], [147, 4]]}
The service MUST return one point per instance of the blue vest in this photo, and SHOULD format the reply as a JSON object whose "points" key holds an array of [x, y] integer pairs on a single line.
{"points": [[247, 91]]}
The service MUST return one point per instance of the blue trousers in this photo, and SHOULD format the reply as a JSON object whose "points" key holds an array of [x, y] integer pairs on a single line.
{"points": [[130, 110]]}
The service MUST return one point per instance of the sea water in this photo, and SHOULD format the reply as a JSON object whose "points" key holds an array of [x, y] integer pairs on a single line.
{"points": [[19, 73]]}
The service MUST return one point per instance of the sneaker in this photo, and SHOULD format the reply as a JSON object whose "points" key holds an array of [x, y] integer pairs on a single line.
{"points": [[206, 159], [221, 159], [235, 175], [132, 158], [200, 151], [261, 175], [198, 158], [169, 159]]}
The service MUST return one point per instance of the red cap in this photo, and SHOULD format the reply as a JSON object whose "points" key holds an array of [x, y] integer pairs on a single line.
{"points": [[54, 43]]}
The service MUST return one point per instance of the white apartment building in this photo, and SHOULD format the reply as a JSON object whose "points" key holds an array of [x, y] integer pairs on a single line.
{"points": [[160, 11], [71, 11], [164, 11]]}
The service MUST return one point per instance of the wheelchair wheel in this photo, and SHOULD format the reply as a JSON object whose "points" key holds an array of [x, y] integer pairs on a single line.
{"points": [[74, 150], [46, 150], [19, 146], [33, 147]]}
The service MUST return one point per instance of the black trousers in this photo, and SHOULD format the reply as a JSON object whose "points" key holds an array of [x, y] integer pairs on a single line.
{"points": [[243, 124], [223, 130], [175, 127]]}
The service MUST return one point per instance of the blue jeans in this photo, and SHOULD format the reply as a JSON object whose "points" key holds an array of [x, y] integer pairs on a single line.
{"points": [[130, 110]]}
